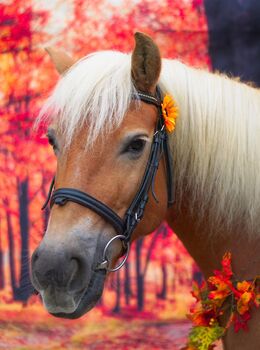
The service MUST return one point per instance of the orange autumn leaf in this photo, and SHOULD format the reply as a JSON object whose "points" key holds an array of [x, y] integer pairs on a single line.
{"points": [[223, 288], [198, 291], [226, 265], [257, 300], [245, 295], [243, 302], [244, 286], [201, 315]]}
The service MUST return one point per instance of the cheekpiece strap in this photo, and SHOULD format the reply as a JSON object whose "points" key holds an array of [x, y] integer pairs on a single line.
{"points": [[157, 101]]}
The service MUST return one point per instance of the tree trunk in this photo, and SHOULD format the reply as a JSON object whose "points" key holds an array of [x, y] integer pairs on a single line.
{"points": [[127, 284], [2, 277], [117, 307], [10, 235], [25, 286], [163, 293], [139, 275]]}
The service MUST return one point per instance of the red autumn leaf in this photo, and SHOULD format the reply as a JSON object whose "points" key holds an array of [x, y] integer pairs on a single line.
{"points": [[240, 321]]}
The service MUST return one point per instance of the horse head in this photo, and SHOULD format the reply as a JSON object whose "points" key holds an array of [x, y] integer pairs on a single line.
{"points": [[106, 114]]}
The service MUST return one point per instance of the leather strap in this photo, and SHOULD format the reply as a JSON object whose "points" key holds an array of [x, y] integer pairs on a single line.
{"points": [[64, 195]]}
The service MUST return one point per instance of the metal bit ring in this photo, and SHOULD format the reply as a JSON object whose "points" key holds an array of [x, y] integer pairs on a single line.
{"points": [[127, 246]]}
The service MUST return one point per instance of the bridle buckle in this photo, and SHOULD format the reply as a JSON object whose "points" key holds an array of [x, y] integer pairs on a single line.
{"points": [[137, 218]]}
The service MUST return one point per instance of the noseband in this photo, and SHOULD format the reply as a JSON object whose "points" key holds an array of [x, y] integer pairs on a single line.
{"points": [[125, 227]]}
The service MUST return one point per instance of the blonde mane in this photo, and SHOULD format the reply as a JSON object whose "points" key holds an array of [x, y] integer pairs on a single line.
{"points": [[215, 146]]}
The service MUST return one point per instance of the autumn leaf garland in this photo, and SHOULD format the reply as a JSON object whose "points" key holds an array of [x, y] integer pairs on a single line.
{"points": [[221, 295]]}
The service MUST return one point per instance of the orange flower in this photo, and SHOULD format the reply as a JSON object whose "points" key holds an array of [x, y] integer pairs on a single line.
{"points": [[170, 112]]}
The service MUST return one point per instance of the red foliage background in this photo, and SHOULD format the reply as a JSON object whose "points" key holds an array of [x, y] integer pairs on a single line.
{"points": [[155, 284]]}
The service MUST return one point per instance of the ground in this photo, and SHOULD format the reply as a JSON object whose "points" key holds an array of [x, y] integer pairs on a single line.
{"points": [[30, 328]]}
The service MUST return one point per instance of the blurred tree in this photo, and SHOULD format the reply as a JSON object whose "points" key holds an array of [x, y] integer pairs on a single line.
{"points": [[20, 60], [179, 27], [127, 284], [2, 279], [117, 307], [143, 257], [163, 292]]}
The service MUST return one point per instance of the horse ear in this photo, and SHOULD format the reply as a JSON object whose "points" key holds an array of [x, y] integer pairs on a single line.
{"points": [[61, 60], [146, 63]]}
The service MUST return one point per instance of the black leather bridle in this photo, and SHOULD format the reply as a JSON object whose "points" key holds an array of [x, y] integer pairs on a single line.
{"points": [[125, 226]]}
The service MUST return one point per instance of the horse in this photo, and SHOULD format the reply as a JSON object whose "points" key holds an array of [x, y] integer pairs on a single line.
{"points": [[103, 121]]}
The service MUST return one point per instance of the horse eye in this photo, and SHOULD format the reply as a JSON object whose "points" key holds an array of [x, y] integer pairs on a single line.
{"points": [[52, 142], [136, 146]]}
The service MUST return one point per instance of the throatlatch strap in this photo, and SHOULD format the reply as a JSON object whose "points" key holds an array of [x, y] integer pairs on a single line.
{"points": [[167, 156]]}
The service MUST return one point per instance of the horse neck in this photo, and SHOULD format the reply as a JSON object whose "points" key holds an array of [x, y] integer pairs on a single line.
{"points": [[216, 163], [215, 147]]}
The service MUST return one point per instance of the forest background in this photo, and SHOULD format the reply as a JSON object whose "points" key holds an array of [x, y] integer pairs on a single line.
{"points": [[144, 304]]}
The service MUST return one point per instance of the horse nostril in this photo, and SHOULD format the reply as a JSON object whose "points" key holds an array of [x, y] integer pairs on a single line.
{"points": [[77, 270], [66, 270], [74, 265]]}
